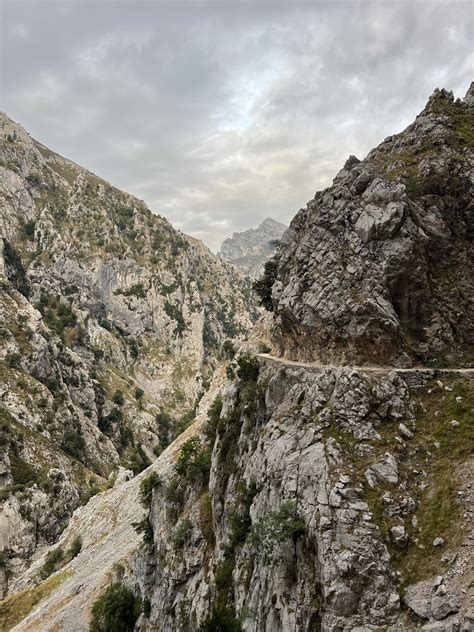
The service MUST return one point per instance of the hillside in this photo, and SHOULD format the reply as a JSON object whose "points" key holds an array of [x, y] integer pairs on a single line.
{"points": [[379, 267], [112, 327], [325, 486]]}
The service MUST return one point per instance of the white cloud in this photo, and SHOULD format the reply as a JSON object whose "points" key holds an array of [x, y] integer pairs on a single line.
{"points": [[226, 113]]}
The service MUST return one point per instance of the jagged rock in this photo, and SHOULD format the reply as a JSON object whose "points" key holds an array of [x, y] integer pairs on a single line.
{"points": [[442, 606], [438, 542], [399, 535], [363, 271], [250, 249], [385, 471], [406, 434]]}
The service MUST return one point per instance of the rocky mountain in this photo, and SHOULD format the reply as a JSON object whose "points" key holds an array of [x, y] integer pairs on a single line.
{"points": [[250, 249], [379, 267], [308, 496], [112, 324]]}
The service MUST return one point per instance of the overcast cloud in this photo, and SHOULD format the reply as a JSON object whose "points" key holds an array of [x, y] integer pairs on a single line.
{"points": [[219, 114]]}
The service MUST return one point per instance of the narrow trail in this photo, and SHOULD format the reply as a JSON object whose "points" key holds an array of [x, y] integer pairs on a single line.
{"points": [[366, 369]]}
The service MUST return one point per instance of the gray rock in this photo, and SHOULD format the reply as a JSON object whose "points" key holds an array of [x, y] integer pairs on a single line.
{"points": [[356, 281], [385, 471], [443, 605], [250, 249], [406, 434], [399, 535]]}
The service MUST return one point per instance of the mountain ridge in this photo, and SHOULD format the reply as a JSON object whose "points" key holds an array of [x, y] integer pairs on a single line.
{"points": [[112, 326], [249, 249]]}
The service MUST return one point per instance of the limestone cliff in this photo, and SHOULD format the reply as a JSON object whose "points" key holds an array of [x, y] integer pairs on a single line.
{"points": [[112, 324], [304, 499], [379, 267]]}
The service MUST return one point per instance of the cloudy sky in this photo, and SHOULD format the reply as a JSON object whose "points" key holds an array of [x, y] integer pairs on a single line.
{"points": [[219, 114]]}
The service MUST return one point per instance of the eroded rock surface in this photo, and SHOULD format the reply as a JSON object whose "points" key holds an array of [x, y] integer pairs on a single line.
{"points": [[378, 268]]}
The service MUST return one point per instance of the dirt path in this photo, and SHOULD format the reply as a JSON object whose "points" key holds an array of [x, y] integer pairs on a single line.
{"points": [[365, 369]]}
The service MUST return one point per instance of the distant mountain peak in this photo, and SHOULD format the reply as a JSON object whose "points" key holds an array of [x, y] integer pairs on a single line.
{"points": [[249, 249]]}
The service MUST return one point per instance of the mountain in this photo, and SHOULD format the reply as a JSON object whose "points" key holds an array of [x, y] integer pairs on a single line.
{"points": [[112, 326], [310, 496], [379, 267], [250, 249]]}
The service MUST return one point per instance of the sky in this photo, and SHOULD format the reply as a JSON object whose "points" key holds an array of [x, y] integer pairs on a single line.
{"points": [[220, 114]]}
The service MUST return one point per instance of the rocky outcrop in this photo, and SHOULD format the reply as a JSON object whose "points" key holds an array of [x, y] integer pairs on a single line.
{"points": [[250, 249], [378, 268], [112, 324], [262, 516]]}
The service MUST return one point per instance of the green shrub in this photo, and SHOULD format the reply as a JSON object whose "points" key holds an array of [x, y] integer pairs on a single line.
{"points": [[147, 486], [240, 521], [124, 217], [212, 423], [33, 179], [182, 533], [146, 608], [22, 472], [194, 459], [206, 518], [249, 369], [223, 577], [136, 290], [176, 314], [139, 460], [184, 422], [276, 528], [222, 619], [116, 610], [228, 349], [118, 398], [263, 286], [15, 270], [75, 548], [54, 561], [13, 360], [174, 497], [139, 392], [145, 529], [29, 229], [165, 423], [73, 443]]}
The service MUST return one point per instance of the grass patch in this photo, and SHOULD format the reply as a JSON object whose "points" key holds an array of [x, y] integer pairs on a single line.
{"points": [[15, 608], [437, 449]]}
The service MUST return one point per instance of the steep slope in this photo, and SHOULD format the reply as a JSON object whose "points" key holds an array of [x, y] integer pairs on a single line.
{"points": [[379, 267], [309, 499], [312, 498], [112, 325], [250, 249]]}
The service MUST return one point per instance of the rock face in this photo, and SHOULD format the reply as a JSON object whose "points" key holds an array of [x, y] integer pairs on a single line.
{"points": [[112, 324], [314, 498], [379, 267], [261, 515], [250, 249]]}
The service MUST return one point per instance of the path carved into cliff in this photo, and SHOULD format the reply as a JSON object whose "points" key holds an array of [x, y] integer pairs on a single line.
{"points": [[368, 369]]}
